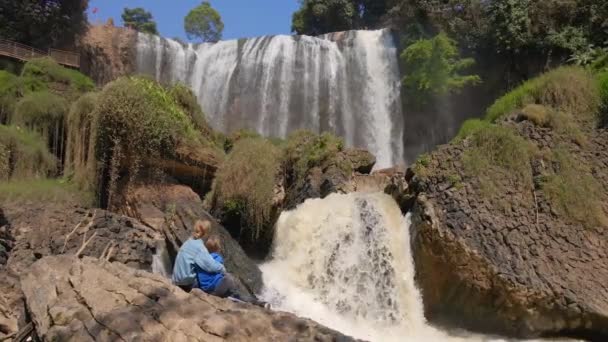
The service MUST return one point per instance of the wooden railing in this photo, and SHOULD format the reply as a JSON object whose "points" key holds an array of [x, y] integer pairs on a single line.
{"points": [[23, 52]]}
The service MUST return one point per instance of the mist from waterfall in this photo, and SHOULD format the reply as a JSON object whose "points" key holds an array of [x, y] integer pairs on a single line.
{"points": [[345, 261], [346, 83]]}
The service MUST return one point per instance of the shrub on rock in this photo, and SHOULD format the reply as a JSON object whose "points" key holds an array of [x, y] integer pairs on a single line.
{"points": [[244, 188], [569, 89], [80, 162], [23, 154], [44, 73]]}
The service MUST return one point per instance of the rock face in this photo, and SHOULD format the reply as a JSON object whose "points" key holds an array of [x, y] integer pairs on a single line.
{"points": [[107, 52], [172, 210], [90, 300], [41, 230], [335, 175], [518, 268]]}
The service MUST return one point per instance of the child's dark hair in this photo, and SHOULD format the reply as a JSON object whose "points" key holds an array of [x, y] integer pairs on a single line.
{"points": [[213, 244]]}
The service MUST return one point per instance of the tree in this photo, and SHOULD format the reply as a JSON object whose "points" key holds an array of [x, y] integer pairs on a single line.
{"points": [[42, 23], [433, 67], [322, 16], [140, 20], [204, 23]]}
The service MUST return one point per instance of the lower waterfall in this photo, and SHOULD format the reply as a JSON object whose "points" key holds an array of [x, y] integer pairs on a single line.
{"points": [[345, 261], [346, 83]]}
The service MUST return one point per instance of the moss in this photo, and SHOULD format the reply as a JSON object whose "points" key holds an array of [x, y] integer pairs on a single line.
{"points": [[24, 155], [569, 89], [573, 191], [471, 126], [40, 110], [422, 164], [43, 190], [499, 158], [244, 185]]}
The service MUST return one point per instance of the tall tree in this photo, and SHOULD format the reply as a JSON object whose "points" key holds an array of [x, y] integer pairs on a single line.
{"points": [[140, 20], [42, 23], [204, 23]]}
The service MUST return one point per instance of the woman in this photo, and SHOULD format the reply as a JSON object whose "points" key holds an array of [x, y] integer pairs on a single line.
{"points": [[193, 254]]}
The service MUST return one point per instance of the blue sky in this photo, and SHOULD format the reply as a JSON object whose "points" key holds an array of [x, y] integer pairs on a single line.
{"points": [[242, 18]]}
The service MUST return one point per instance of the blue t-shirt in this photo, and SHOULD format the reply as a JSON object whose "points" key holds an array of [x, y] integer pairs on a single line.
{"points": [[208, 281]]}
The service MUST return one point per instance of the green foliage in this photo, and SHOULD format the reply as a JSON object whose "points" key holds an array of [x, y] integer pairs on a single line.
{"points": [[574, 192], [470, 127], [44, 73], [602, 80], [139, 120], [244, 185], [499, 159], [569, 89], [305, 150], [204, 23], [316, 17], [80, 162], [139, 19], [422, 164], [40, 111], [433, 67], [42, 23], [24, 154], [510, 24], [43, 190], [9, 93]]}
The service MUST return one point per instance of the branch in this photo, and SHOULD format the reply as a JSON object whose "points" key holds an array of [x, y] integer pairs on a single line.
{"points": [[85, 244]]}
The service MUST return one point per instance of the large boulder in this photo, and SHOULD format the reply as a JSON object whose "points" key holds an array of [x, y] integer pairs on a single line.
{"points": [[172, 210], [41, 229], [513, 264], [90, 300]]}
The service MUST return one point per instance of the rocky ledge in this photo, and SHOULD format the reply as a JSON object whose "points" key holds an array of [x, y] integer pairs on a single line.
{"points": [[514, 264], [73, 299]]}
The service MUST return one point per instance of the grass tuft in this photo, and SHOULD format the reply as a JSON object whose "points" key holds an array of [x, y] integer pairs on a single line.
{"points": [[568, 89], [574, 192]]}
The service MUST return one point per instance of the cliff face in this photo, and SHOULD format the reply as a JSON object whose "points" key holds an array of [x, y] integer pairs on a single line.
{"points": [[107, 52], [515, 262]]}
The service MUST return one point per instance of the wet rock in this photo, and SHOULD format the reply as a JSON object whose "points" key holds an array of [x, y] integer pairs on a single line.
{"points": [[91, 300]]}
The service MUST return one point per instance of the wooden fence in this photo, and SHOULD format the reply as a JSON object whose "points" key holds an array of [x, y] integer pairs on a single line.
{"points": [[23, 52]]}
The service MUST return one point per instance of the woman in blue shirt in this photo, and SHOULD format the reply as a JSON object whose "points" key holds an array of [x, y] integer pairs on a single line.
{"points": [[193, 255]]}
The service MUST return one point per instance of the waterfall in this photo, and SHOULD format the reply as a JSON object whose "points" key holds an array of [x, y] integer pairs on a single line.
{"points": [[347, 83], [161, 261], [345, 261]]}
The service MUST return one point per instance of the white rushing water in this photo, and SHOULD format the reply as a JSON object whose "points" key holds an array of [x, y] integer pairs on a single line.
{"points": [[345, 262], [346, 83]]}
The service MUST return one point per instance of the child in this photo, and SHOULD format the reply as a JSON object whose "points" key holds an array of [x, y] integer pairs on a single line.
{"points": [[221, 284]]}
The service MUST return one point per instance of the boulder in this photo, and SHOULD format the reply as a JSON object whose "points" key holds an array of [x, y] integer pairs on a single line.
{"points": [[171, 210], [510, 265], [51, 229], [72, 299], [362, 160]]}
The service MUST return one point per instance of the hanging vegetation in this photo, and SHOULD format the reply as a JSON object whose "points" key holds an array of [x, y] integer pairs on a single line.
{"points": [[23, 155]]}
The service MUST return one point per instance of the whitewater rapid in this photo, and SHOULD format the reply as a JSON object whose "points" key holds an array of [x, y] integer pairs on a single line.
{"points": [[345, 261], [347, 83]]}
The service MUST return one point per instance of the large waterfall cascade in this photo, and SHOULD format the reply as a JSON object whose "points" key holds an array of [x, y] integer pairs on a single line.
{"points": [[346, 83], [345, 261]]}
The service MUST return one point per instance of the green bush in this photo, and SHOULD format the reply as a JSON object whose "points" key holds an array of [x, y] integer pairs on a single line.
{"points": [[40, 110], [38, 73], [244, 185], [24, 154], [574, 192], [80, 162], [9, 93], [498, 157], [602, 80], [569, 89], [471, 126]]}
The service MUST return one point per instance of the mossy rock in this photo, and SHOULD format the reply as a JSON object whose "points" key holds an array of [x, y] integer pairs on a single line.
{"points": [[45, 73]]}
